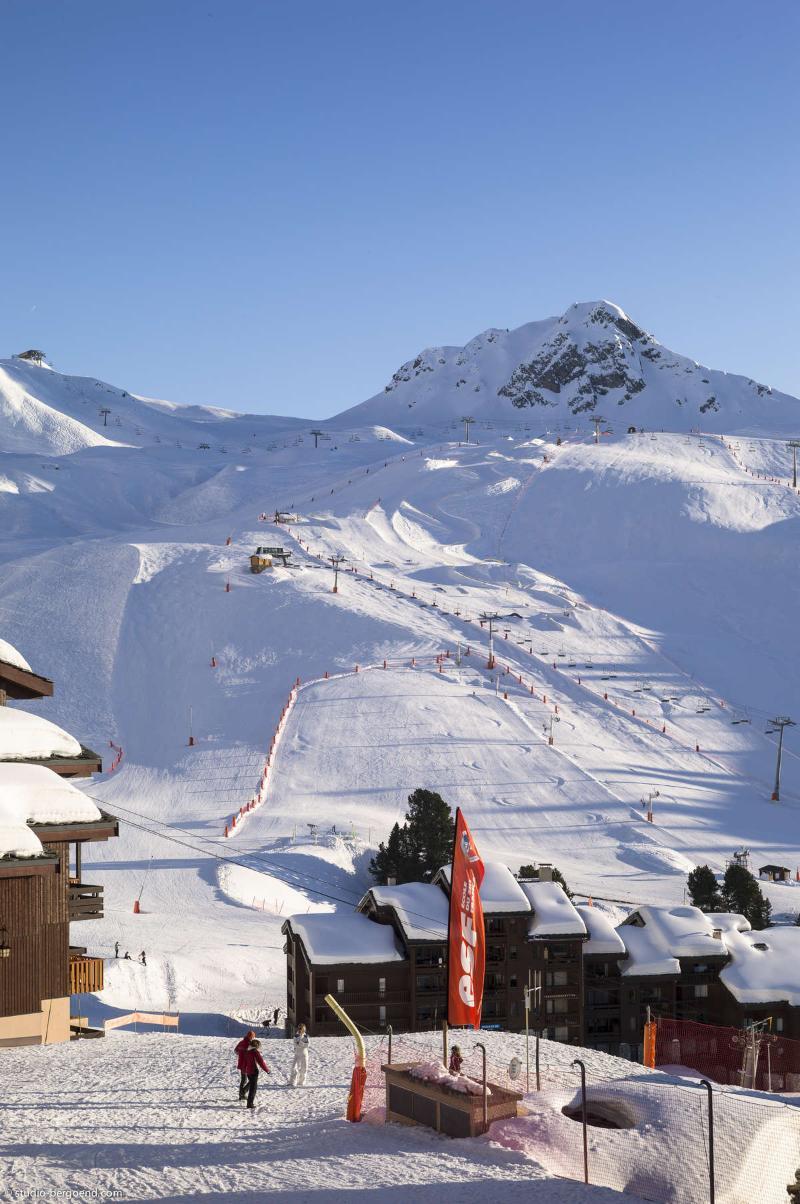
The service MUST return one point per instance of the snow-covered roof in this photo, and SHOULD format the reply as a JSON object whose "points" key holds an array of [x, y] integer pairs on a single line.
{"points": [[603, 936], [23, 735], [646, 954], [500, 891], [33, 794], [553, 912], [667, 934], [764, 965], [422, 909], [346, 936], [9, 654]]}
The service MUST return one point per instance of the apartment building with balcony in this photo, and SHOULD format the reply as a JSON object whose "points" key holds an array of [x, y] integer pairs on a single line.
{"points": [[44, 823], [387, 964]]}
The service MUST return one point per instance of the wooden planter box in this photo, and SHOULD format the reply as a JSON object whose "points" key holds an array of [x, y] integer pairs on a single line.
{"points": [[413, 1101]]}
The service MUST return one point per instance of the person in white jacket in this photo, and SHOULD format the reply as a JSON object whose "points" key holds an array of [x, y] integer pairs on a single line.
{"points": [[299, 1070]]}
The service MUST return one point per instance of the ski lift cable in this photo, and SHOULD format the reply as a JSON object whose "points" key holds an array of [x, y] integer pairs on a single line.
{"points": [[274, 870]]}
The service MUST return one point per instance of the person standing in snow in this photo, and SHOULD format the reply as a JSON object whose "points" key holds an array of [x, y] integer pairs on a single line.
{"points": [[240, 1051], [116, 948], [142, 958], [456, 1060], [275, 1014], [252, 1061], [297, 1077]]}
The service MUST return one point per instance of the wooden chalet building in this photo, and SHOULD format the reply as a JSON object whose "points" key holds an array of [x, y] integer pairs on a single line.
{"points": [[31, 738], [387, 963], [685, 964], [44, 822]]}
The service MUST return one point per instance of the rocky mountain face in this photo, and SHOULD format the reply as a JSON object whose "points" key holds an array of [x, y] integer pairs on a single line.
{"points": [[593, 360]]}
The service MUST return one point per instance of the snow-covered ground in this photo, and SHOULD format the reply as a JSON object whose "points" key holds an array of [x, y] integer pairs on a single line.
{"points": [[655, 570], [156, 1117], [647, 589]]}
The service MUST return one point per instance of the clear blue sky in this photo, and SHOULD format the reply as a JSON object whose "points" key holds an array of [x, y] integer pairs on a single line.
{"points": [[272, 205]]}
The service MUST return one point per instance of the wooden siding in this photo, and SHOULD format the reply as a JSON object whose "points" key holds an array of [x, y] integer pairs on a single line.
{"points": [[34, 914], [85, 974]]}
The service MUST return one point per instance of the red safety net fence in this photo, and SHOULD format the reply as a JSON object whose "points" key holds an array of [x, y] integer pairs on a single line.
{"points": [[753, 1057]]}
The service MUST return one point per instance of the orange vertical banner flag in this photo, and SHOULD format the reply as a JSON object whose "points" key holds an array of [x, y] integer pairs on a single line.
{"points": [[466, 960]]}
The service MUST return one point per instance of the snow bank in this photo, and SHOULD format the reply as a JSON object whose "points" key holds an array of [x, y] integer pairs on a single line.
{"points": [[764, 965], [24, 735], [603, 936], [9, 654], [656, 937], [435, 1072], [500, 891], [422, 909], [346, 937], [553, 912], [33, 794]]}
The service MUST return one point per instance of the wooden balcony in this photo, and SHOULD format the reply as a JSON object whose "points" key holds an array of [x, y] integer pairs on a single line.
{"points": [[85, 902], [85, 974]]}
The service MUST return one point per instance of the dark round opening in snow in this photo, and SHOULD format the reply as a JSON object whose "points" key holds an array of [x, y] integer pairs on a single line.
{"points": [[601, 1115]]}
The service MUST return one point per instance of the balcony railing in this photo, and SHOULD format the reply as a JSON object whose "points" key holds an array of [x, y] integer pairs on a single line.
{"points": [[354, 998], [85, 902], [85, 974]]}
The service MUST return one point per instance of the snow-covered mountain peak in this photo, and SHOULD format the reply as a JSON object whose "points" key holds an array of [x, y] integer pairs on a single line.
{"points": [[593, 359]]}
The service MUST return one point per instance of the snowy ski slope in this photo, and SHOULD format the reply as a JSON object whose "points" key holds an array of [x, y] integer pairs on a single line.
{"points": [[659, 570]]}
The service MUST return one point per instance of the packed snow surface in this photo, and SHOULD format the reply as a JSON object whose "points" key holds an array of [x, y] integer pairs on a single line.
{"points": [[156, 1117], [25, 735], [553, 913], [33, 794], [647, 587], [10, 655]]}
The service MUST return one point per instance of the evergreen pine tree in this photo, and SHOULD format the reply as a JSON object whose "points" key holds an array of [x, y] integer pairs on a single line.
{"points": [[704, 889], [430, 828], [741, 893], [415, 851], [391, 860]]}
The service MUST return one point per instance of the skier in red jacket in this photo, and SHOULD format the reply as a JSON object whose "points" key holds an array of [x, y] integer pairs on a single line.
{"points": [[252, 1061], [241, 1053]]}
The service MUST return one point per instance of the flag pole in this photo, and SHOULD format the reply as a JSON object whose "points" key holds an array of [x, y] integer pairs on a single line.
{"points": [[450, 910]]}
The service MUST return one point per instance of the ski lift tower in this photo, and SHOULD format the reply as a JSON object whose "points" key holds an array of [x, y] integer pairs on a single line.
{"points": [[597, 424], [317, 436], [336, 561], [794, 444], [779, 723], [491, 620], [467, 423]]}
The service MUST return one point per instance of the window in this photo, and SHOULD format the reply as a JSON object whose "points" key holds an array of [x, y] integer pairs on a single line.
{"points": [[779, 1024], [382, 1015], [512, 980], [562, 1032], [495, 953], [322, 984], [495, 927], [556, 1006], [433, 955], [557, 978], [340, 985], [512, 953], [381, 986], [701, 990], [633, 1024]]}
